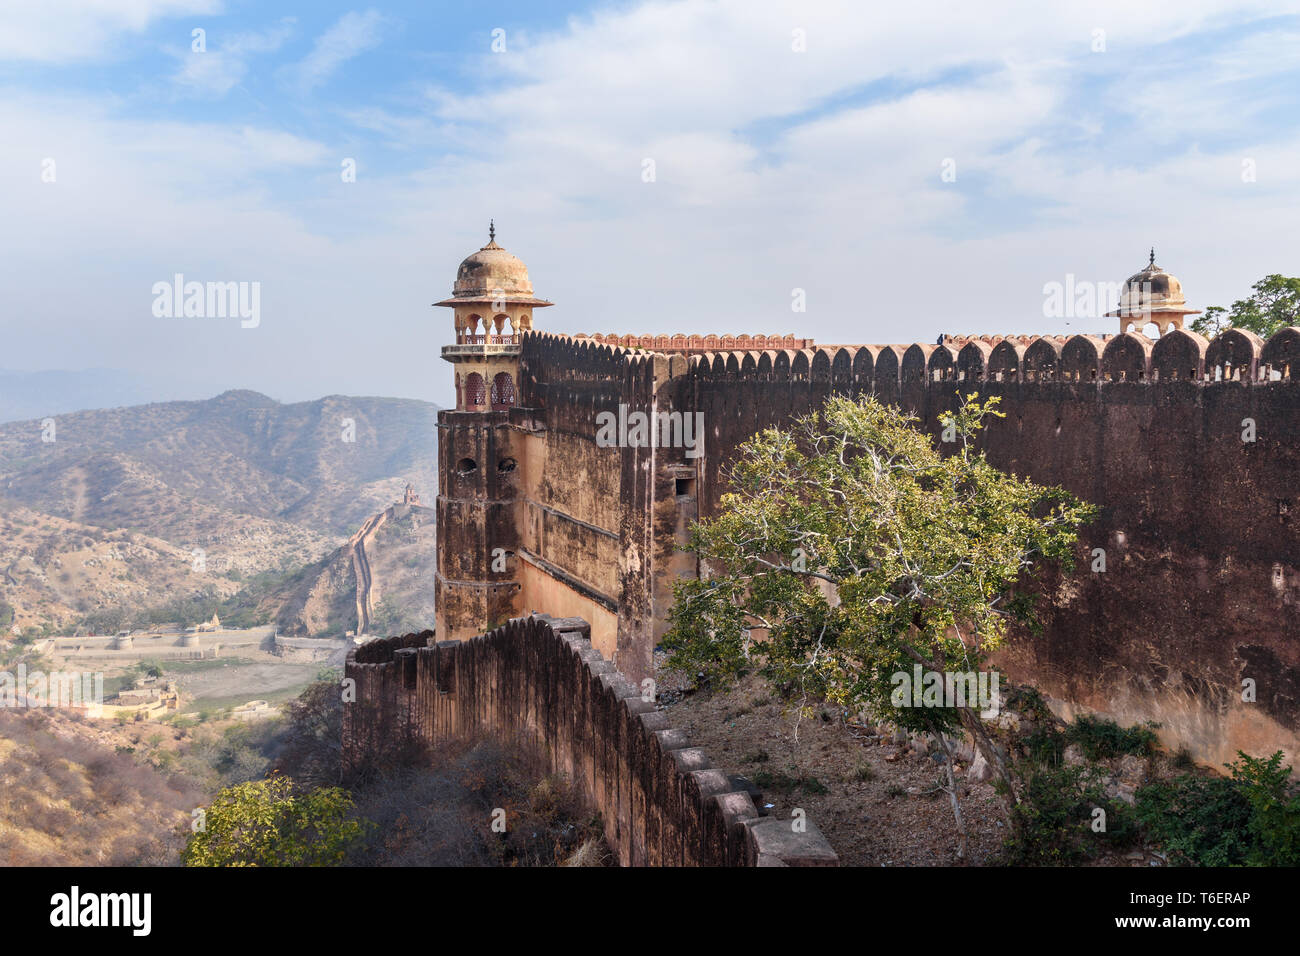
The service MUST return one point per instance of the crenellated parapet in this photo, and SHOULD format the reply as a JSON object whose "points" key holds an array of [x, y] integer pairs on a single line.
{"points": [[662, 801], [699, 343], [1235, 355]]}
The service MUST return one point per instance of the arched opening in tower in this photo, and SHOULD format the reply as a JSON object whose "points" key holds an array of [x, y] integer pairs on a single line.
{"points": [[503, 392], [475, 391]]}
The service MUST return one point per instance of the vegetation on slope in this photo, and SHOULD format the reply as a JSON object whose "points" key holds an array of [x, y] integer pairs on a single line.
{"points": [[862, 551]]}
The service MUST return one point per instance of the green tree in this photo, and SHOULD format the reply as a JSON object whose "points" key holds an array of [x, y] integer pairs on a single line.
{"points": [[272, 822], [861, 551], [1275, 809], [1274, 305]]}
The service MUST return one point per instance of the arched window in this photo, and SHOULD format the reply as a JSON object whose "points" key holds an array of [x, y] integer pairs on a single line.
{"points": [[475, 392], [503, 392]]}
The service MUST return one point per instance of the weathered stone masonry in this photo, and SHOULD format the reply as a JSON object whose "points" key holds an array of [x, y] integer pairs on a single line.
{"points": [[662, 803], [1199, 527]]}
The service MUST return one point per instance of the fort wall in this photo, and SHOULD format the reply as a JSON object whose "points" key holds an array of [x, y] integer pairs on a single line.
{"points": [[1199, 526], [661, 802]]}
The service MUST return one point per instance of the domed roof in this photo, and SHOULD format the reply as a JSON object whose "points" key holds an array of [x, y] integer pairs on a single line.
{"points": [[1151, 290], [492, 275], [489, 269]]}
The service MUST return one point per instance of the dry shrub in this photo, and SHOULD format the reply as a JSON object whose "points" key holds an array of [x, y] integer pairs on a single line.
{"points": [[98, 807], [440, 811]]}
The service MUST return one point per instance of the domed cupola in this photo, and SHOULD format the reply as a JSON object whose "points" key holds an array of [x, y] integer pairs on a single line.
{"points": [[493, 304], [492, 276], [491, 269], [1152, 296]]}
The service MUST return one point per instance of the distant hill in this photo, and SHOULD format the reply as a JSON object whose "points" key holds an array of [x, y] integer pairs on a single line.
{"points": [[230, 487]]}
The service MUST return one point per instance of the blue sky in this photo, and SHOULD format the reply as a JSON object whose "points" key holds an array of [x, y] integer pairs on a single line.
{"points": [[1080, 135]]}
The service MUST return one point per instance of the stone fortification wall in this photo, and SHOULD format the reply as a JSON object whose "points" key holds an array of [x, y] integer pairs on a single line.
{"points": [[1200, 525], [661, 801]]}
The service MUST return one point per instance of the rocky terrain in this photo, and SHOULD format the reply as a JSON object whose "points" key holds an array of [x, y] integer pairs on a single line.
{"points": [[55, 571], [118, 510], [874, 791]]}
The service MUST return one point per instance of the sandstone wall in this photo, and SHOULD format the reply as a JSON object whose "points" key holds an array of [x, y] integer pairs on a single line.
{"points": [[1199, 526], [662, 803]]}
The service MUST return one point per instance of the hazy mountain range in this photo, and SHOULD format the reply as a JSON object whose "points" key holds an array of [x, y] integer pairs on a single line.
{"points": [[141, 506]]}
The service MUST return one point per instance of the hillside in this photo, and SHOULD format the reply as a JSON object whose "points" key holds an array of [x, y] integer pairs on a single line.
{"points": [[379, 582], [71, 795], [146, 505], [55, 570]]}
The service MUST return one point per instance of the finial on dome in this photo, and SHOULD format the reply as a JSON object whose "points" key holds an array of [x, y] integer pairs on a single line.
{"points": [[492, 233], [1152, 261]]}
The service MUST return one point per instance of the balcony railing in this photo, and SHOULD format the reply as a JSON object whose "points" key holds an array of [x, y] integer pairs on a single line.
{"points": [[463, 339]]}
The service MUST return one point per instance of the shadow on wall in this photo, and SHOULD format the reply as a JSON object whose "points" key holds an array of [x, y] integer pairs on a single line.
{"points": [[662, 804]]}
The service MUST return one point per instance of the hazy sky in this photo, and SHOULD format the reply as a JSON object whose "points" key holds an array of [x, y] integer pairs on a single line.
{"points": [[1079, 135]]}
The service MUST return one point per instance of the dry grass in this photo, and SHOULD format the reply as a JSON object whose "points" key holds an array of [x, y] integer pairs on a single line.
{"points": [[440, 810], [68, 799]]}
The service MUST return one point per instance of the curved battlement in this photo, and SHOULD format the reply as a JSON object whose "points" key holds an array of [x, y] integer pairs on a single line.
{"points": [[915, 358], [1235, 355], [698, 343], [973, 360], [1126, 358], [1042, 360], [1179, 356], [662, 801], [1006, 360]]}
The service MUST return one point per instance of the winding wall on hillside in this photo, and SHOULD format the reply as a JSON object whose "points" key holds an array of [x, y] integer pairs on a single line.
{"points": [[365, 599], [661, 801], [1199, 525]]}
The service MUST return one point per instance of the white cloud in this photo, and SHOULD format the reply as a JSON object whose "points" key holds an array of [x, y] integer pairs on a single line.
{"points": [[64, 31], [224, 63], [776, 170], [353, 34]]}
